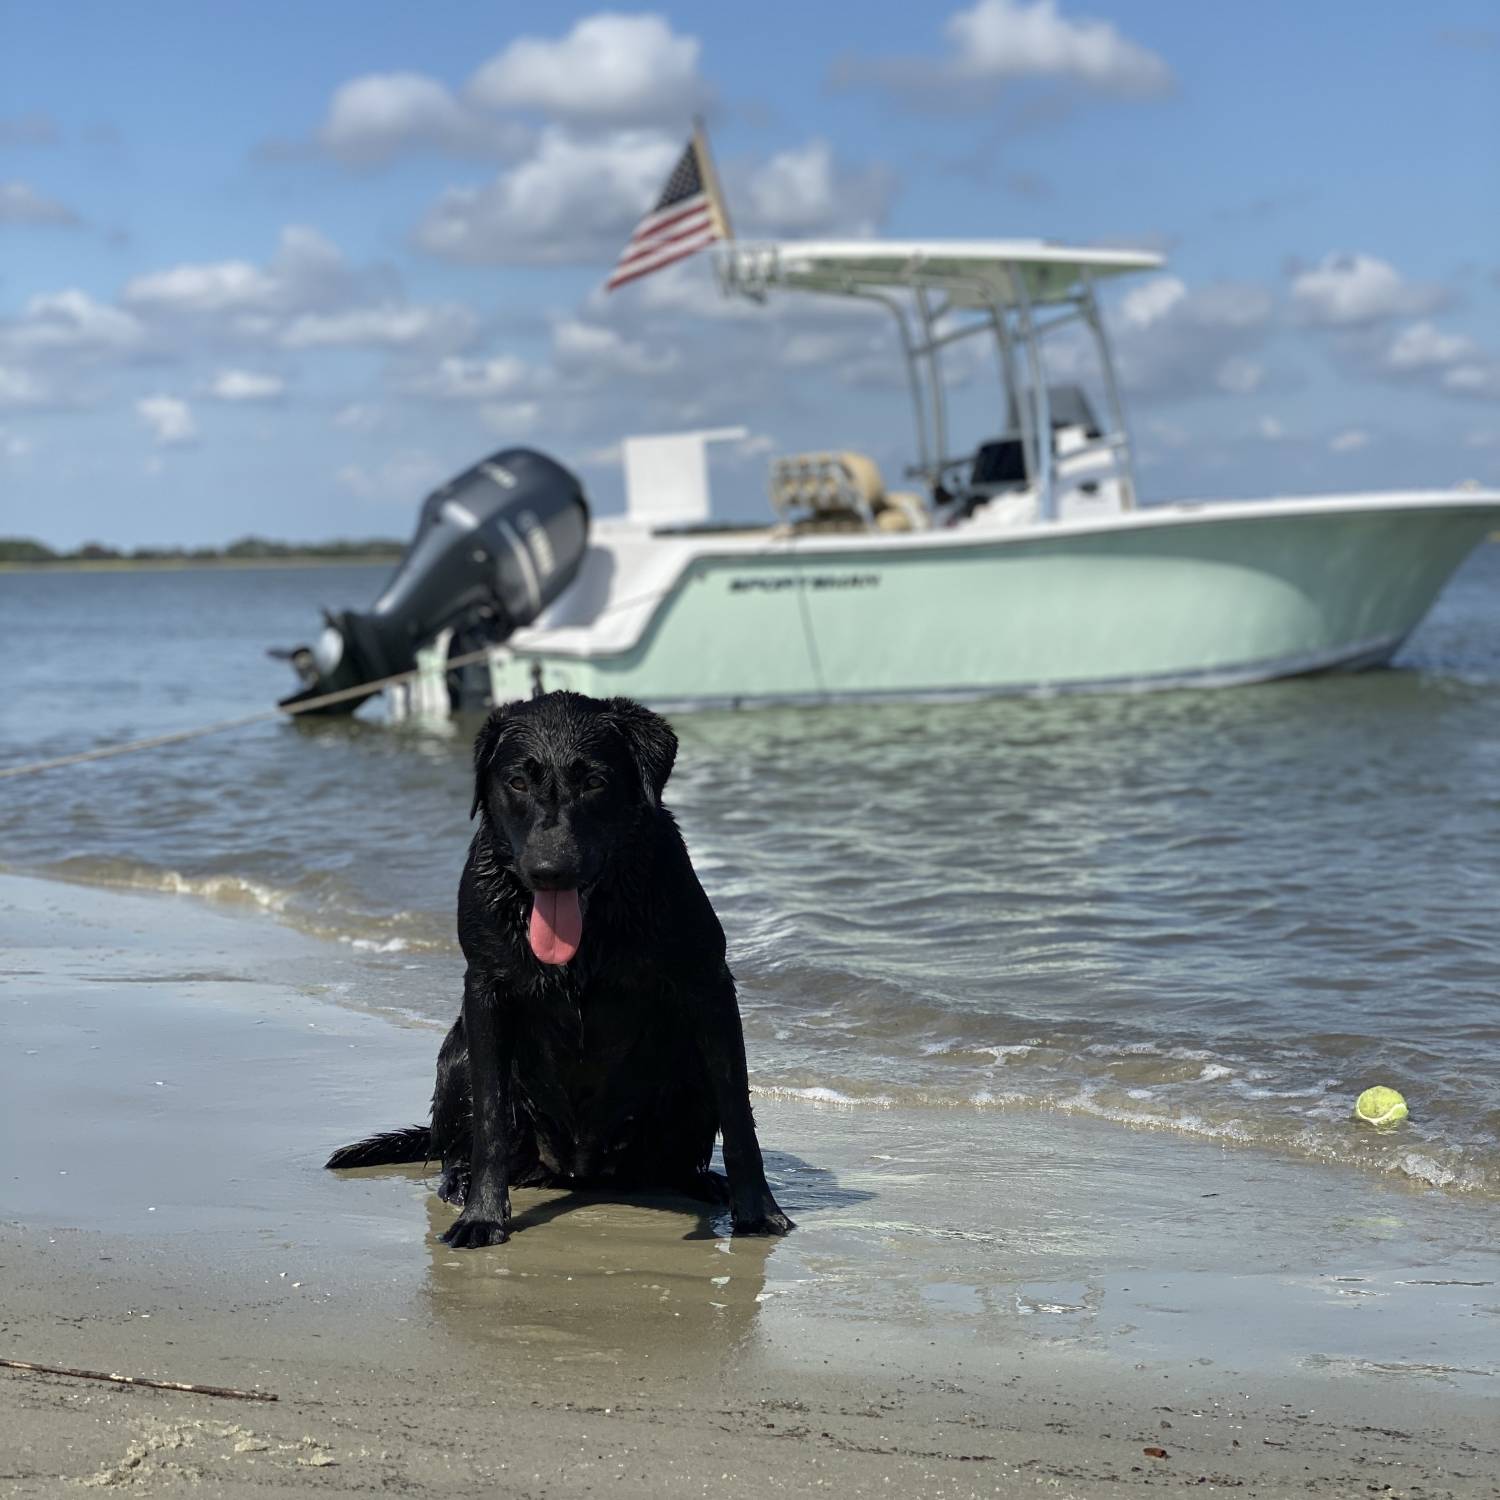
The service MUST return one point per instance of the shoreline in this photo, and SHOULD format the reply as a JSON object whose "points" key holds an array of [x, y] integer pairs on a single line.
{"points": [[962, 1310], [187, 564], [1411, 1164]]}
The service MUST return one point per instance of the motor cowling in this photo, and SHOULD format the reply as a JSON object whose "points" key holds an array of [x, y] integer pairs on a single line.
{"points": [[492, 549]]}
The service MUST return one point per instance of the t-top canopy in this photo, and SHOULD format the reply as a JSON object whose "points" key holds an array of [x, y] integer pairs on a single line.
{"points": [[973, 272]]}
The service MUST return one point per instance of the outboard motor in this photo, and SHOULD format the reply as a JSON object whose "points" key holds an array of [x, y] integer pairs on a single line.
{"points": [[492, 549]]}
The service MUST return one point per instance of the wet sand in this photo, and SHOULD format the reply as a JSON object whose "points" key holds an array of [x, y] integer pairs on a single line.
{"points": [[970, 1306]]}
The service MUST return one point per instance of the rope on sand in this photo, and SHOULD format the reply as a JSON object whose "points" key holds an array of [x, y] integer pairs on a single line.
{"points": [[324, 700], [158, 1385]]}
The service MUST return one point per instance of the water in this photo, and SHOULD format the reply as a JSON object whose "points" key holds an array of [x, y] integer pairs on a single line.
{"points": [[1220, 914]]}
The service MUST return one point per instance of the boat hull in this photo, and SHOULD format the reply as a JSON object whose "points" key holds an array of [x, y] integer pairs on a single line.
{"points": [[1208, 596]]}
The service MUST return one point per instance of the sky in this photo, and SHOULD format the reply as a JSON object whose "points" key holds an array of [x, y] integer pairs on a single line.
{"points": [[281, 269]]}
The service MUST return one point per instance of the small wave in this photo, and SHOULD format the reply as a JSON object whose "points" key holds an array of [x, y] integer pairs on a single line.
{"points": [[235, 890], [954, 1048], [818, 1094], [1323, 1134], [414, 932], [1147, 1049]]}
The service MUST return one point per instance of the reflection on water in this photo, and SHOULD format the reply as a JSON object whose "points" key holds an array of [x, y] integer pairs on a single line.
{"points": [[615, 1283]]}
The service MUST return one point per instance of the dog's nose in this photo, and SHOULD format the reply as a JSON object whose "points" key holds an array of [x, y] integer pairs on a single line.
{"points": [[551, 875]]}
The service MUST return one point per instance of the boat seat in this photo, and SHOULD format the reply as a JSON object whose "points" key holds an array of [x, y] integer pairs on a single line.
{"points": [[1000, 461], [841, 492]]}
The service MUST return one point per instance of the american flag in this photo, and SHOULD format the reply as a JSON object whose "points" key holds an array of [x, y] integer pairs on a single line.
{"points": [[687, 217]]}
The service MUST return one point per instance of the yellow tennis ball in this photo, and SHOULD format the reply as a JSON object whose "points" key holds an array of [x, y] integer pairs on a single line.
{"points": [[1380, 1107]]}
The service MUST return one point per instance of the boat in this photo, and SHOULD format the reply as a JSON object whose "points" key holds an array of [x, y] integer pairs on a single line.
{"points": [[1023, 562]]}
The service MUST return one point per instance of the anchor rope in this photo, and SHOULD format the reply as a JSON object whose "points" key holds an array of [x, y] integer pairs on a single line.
{"points": [[176, 736], [323, 700]]}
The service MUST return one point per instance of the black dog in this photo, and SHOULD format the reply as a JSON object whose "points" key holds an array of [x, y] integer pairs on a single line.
{"points": [[599, 1043]]}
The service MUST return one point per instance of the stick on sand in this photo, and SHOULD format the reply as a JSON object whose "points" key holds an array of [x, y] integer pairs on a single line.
{"points": [[159, 1385]]}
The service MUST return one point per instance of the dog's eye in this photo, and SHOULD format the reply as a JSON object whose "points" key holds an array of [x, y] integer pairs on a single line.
{"points": [[595, 783], [517, 784]]}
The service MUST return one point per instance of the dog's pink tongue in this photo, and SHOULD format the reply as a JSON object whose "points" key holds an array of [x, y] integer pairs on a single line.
{"points": [[556, 926]]}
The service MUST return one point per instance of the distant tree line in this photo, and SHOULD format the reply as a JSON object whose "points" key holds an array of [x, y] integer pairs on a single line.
{"points": [[17, 549]]}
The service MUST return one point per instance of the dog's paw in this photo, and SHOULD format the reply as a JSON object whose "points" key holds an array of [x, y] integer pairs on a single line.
{"points": [[473, 1234], [763, 1217], [453, 1186]]}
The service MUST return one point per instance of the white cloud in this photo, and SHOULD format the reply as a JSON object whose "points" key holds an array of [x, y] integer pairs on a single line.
{"points": [[1006, 39], [1231, 304], [1150, 301], [246, 385], [20, 387], [1226, 305], [223, 286], [609, 69], [306, 296], [801, 191], [457, 379], [169, 418], [307, 268], [1270, 429], [995, 45], [376, 117], [1423, 347], [13, 446], [20, 203], [511, 418], [1347, 290], [1473, 380], [1349, 441], [573, 200], [391, 325], [596, 352], [71, 322], [1176, 340]]}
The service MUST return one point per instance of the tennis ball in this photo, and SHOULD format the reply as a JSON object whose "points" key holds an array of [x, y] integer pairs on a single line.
{"points": [[1380, 1107]]}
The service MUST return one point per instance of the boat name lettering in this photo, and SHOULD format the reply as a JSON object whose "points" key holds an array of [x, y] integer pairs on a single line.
{"points": [[779, 581]]}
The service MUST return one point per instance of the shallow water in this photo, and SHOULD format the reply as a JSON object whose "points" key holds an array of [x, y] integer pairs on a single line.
{"points": [[1221, 914]]}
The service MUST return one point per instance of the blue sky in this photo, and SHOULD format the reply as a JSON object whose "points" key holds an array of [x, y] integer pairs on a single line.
{"points": [[281, 268]]}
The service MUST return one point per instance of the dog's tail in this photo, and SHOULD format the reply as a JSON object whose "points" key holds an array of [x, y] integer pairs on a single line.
{"points": [[414, 1143]]}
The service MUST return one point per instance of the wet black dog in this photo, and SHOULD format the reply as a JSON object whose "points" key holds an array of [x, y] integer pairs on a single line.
{"points": [[599, 1044]]}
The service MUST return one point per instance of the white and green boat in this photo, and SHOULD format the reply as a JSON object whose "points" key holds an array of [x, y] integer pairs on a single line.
{"points": [[1023, 564]]}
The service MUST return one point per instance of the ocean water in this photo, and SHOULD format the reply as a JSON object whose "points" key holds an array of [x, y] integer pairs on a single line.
{"points": [[1217, 914]]}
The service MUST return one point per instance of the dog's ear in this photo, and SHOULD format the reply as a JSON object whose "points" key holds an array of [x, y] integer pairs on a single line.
{"points": [[652, 744], [486, 743]]}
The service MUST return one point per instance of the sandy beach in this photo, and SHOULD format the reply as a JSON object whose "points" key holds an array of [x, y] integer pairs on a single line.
{"points": [[1073, 1307]]}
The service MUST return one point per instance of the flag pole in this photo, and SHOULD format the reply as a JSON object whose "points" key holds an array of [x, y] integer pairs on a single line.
{"points": [[716, 204]]}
